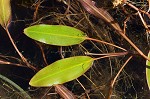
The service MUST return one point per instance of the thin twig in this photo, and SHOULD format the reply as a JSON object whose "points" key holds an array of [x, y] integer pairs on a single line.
{"points": [[137, 9], [114, 80], [10, 63], [43, 54], [106, 54], [112, 55], [36, 10], [19, 53], [88, 97], [106, 43]]}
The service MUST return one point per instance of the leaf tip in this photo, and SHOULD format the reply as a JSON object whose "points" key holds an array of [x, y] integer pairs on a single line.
{"points": [[25, 30], [31, 83]]}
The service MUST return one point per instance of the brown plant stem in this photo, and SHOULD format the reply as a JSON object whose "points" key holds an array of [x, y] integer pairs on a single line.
{"points": [[107, 54], [19, 53], [137, 9], [134, 46], [10, 63], [115, 78], [112, 55], [36, 10], [86, 92], [106, 43], [42, 52]]}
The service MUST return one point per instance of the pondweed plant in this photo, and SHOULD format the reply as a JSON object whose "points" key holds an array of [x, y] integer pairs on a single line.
{"points": [[71, 68], [66, 36], [66, 69]]}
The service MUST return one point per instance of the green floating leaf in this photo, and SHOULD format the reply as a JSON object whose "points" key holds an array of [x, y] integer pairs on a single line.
{"points": [[62, 71], [5, 12], [55, 34], [148, 71]]}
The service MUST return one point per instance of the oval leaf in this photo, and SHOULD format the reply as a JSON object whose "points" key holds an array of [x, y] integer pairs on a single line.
{"points": [[55, 34], [62, 71], [5, 12], [148, 71]]}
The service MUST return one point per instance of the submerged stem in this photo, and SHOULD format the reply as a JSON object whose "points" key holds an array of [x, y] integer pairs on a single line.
{"points": [[19, 53], [112, 55], [133, 45], [106, 43]]}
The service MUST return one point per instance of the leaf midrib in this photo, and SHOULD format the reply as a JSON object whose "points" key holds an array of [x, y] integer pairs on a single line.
{"points": [[46, 33]]}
